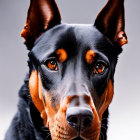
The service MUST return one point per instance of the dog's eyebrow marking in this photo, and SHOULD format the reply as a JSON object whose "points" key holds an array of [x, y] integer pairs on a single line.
{"points": [[90, 55], [62, 55]]}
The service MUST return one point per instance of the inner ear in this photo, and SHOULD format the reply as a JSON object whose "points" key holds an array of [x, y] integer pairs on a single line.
{"points": [[111, 22], [42, 15]]}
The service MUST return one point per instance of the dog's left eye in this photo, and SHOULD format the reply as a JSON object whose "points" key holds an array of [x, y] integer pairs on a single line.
{"points": [[99, 68], [52, 65]]}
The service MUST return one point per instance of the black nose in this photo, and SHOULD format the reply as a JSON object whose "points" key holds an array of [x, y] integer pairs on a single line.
{"points": [[79, 117]]}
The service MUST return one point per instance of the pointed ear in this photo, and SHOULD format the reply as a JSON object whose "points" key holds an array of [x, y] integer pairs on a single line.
{"points": [[111, 22], [42, 15]]}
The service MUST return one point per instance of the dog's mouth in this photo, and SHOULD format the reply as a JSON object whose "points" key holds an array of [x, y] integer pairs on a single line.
{"points": [[78, 138]]}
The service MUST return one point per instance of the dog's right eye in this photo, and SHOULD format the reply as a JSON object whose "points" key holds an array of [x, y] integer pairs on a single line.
{"points": [[52, 65]]}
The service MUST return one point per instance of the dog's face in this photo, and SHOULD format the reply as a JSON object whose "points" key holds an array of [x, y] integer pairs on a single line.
{"points": [[71, 83], [74, 70]]}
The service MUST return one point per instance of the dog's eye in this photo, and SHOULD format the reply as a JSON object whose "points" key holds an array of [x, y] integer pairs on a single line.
{"points": [[99, 68], [52, 65]]}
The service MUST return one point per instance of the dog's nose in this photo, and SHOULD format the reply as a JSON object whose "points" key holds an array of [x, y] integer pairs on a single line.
{"points": [[79, 117]]}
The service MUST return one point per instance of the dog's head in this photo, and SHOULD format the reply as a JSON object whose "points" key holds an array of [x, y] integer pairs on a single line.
{"points": [[71, 81]]}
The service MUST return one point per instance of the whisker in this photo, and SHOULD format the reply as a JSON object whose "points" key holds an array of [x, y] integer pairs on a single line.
{"points": [[103, 127], [104, 119], [101, 136], [49, 135]]}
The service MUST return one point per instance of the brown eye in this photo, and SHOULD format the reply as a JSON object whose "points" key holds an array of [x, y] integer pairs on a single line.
{"points": [[52, 65], [99, 68]]}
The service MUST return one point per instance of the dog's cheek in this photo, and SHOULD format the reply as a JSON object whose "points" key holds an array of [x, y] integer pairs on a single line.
{"points": [[36, 94], [106, 98], [50, 109]]}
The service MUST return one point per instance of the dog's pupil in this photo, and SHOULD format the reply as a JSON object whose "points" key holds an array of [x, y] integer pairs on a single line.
{"points": [[100, 66], [53, 62]]}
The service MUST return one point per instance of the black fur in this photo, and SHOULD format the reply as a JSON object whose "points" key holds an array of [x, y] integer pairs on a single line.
{"points": [[27, 123]]}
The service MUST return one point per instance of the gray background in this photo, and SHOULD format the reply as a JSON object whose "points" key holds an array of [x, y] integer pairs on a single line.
{"points": [[124, 122]]}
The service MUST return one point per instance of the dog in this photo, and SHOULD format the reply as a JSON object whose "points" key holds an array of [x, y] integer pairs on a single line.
{"points": [[67, 92]]}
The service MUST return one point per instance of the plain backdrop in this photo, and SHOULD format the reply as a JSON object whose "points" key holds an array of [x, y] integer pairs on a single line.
{"points": [[124, 120]]}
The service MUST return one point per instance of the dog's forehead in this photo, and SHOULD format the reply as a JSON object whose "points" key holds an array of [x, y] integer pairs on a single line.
{"points": [[74, 37]]}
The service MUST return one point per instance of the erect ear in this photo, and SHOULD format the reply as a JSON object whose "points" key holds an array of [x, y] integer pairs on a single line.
{"points": [[42, 15], [111, 22]]}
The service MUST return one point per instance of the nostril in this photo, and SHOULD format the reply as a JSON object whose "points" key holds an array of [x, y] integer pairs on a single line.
{"points": [[73, 121], [87, 121], [79, 117]]}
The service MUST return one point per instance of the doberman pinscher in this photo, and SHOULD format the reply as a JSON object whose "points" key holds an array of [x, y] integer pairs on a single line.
{"points": [[69, 87]]}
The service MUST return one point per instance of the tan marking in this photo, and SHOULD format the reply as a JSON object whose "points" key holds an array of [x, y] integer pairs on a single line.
{"points": [[93, 132], [121, 38], [35, 88], [90, 56], [106, 98], [26, 33], [62, 55], [52, 116], [56, 121]]}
